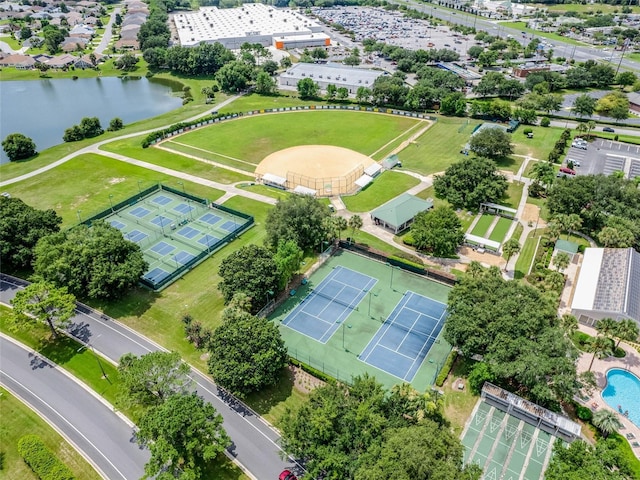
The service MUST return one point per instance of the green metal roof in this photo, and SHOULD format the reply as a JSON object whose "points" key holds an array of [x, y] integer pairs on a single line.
{"points": [[401, 209], [565, 246]]}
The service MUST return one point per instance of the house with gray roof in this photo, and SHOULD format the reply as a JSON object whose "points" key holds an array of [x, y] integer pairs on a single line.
{"points": [[398, 214]]}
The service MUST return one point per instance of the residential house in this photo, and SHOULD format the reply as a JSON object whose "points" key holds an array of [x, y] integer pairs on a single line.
{"points": [[62, 61], [21, 62]]}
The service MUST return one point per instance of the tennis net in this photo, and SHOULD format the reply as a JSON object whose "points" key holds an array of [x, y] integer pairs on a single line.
{"points": [[423, 331], [319, 293]]}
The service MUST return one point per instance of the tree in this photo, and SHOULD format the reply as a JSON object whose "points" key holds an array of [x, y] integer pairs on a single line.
{"points": [[126, 62], [611, 237], [487, 58], [606, 421], [25, 33], [626, 79], [550, 102], [299, 218], [614, 104], [331, 91], [234, 76], [544, 173], [510, 248], [115, 124], [599, 346], [515, 327], [454, 104], [18, 147], [342, 93], [152, 378], [183, 434], [580, 460], [475, 51], [468, 183], [561, 261], [265, 84], [626, 330], [247, 353], [250, 270], [94, 262], [437, 231], [491, 143], [288, 257], [590, 126], [607, 327], [308, 89], [584, 105], [270, 67], [355, 223], [43, 302], [90, 127], [73, 134], [21, 226]]}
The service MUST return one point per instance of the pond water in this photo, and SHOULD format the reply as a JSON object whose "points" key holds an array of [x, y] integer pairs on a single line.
{"points": [[43, 109]]}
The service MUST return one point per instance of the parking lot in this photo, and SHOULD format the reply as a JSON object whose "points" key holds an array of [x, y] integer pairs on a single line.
{"points": [[606, 156]]}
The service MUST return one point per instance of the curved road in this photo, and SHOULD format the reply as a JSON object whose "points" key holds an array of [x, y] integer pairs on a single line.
{"points": [[256, 444], [86, 421]]}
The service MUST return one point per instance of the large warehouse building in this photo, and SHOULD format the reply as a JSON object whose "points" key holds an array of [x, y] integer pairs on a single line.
{"points": [[253, 23], [330, 74], [608, 286]]}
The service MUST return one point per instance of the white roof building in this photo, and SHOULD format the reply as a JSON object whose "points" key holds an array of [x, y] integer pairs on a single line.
{"points": [[330, 74], [608, 285], [253, 23]]}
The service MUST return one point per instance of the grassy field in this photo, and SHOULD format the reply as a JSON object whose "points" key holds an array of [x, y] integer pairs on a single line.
{"points": [[544, 138], [85, 183], [458, 404], [266, 134], [439, 146], [635, 139], [259, 102], [266, 191], [522, 26], [526, 255], [385, 187], [482, 226], [465, 219], [17, 420], [500, 230], [591, 8], [514, 194]]}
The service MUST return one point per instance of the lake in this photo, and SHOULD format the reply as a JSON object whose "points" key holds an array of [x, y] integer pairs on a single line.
{"points": [[43, 109]]}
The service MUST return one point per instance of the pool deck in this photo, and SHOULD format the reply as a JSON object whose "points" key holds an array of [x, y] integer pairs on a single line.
{"points": [[631, 363]]}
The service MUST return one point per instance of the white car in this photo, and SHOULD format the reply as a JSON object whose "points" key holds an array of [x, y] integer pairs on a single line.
{"points": [[576, 163]]}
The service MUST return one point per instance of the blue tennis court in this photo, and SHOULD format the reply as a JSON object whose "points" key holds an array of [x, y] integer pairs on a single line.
{"points": [[183, 257], [183, 208], [156, 275], [140, 212], [329, 304], [162, 248], [162, 221], [188, 232], [229, 226], [401, 344], [135, 236], [208, 241], [117, 224], [161, 200], [210, 218]]}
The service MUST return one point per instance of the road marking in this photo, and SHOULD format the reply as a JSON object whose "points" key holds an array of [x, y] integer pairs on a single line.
{"points": [[63, 419]]}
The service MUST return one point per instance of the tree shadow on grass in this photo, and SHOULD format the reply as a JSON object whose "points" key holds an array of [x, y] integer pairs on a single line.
{"points": [[58, 349], [222, 469], [505, 163], [134, 304], [262, 402]]}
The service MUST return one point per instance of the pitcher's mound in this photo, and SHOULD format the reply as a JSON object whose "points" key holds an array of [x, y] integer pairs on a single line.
{"points": [[326, 169]]}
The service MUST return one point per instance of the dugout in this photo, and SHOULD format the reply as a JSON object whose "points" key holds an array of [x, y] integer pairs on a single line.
{"points": [[271, 180]]}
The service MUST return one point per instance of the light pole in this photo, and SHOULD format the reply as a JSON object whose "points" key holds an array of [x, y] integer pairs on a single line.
{"points": [[111, 202], [79, 218], [182, 185], [371, 294], [139, 186], [88, 345]]}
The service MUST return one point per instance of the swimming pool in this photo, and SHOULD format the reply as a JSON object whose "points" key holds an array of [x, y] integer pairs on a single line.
{"points": [[623, 393]]}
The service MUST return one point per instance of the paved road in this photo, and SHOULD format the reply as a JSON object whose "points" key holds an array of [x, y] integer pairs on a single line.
{"points": [[90, 424], [255, 443], [106, 38]]}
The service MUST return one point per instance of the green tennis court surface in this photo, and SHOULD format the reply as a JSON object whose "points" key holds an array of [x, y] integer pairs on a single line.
{"points": [[352, 302], [174, 230], [504, 446]]}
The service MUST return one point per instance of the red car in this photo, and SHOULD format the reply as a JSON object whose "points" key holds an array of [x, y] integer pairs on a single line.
{"points": [[287, 475], [567, 171]]}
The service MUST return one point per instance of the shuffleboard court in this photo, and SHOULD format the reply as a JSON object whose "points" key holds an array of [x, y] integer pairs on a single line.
{"points": [[162, 200], [117, 224], [135, 236], [325, 308], [162, 248], [140, 212], [189, 232], [403, 341], [210, 218]]}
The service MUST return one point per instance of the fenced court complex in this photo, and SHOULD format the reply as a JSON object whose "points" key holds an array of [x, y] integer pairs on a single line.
{"points": [[175, 230], [386, 322]]}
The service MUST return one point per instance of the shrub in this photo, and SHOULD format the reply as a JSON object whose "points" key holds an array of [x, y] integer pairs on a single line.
{"points": [[545, 122], [41, 460], [619, 352], [446, 368], [527, 131], [584, 413]]}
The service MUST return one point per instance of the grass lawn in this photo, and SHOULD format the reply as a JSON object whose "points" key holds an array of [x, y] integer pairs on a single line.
{"points": [[372, 241], [544, 138], [266, 191], [386, 186], [106, 69], [465, 219], [439, 146], [458, 404], [85, 183], [266, 134], [130, 147], [635, 139], [500, 230], [528, 172], [17, 420], [11, 41], [255, 101], [592, 8], [514, 194], [526, 255], [483, 224], [522, 26]]}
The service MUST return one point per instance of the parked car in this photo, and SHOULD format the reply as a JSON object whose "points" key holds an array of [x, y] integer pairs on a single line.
{"points": [[576, 163], [580, 145], [567, 170], [608, 129], [287, 475]]}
